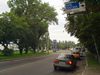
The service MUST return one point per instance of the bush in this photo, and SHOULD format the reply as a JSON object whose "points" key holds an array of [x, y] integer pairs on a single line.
{"points": [[7, 52]]}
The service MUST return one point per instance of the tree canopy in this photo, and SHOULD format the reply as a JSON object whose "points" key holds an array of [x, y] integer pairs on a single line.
{"points": [[86, 25], [26, 23]]}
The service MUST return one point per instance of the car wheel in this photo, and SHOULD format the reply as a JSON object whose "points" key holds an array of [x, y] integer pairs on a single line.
{"points": [[55, 68], [73, 67]]}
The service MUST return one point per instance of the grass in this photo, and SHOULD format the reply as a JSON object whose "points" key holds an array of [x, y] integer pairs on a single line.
{"points": [[92, 61], [16, 55]]}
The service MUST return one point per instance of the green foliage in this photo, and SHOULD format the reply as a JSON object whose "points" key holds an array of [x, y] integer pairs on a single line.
{"points": [[86, 25], [65, 44], [38, 15], [92, 62], [26, 23], [45, 42], [7, 52], [16, 55]]}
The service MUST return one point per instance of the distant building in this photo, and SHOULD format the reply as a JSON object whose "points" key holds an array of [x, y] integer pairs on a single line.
{"points": [[54, 45]]}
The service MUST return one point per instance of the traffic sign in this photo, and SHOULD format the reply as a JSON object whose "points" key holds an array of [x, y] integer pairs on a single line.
{"points": [[70, 6], [74, 7]]}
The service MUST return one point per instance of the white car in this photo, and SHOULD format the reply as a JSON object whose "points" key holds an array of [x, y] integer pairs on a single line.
{"points": [[65, 61]]}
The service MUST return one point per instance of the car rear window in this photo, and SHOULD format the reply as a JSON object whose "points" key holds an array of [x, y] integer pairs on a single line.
{"points": [[65, 56], [70, 56], [61, 55]]}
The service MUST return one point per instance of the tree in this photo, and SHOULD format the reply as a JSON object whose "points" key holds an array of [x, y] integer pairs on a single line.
{"points": [[37, 15], [86, 26], [66, 44], [10, 25]]}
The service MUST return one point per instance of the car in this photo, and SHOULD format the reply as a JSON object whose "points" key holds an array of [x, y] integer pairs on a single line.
{"points": [[82, 55], [65, 61], [76, 55], [79, 53]]}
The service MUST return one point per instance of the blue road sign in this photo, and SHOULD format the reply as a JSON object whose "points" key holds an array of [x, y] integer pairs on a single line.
{"points": [[72, 5]]}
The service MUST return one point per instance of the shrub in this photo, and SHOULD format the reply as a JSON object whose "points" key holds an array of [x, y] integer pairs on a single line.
{"points": [[7, 52]]}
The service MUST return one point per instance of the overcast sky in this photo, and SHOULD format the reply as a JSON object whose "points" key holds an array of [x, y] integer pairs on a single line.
{"points": [[56, 31]]}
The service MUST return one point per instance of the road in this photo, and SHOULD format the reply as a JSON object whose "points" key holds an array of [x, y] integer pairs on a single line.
{"points": [[42, 66]]}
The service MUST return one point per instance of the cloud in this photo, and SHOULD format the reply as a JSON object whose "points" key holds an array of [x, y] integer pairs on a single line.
{"points": [[3, 6], [59, 34], [57, 31]]}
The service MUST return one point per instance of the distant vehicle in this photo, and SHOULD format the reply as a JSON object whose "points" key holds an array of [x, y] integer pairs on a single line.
{"points": [[82, 54], [65, 61], [76, 55], [77, 49]]}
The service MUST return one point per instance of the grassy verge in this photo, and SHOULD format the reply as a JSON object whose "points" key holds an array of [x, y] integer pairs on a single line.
{"points": [[92, 62], [16, 55]]}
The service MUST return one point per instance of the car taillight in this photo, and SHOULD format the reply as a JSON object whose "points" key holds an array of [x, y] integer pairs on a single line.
{"points": [[56, 61], [69, 62]]}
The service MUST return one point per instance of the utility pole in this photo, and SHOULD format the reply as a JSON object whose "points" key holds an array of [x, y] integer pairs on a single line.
{"points": [[96, 47]]}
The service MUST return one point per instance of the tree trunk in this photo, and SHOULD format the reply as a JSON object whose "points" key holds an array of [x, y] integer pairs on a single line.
{"points": [[34, 49], [21, 50], [26, 50]]}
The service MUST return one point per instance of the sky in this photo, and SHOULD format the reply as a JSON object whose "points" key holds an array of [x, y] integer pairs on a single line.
{"points": [[56, 32]]}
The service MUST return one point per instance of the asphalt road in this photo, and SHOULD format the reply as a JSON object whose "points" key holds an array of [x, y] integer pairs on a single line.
{"points": [[42, 66]]}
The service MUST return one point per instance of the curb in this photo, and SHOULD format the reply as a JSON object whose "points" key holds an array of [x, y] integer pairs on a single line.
{"points": [[86, 66]]}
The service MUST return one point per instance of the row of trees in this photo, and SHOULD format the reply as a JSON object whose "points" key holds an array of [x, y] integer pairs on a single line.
{"points": [[86, 25], [66, 44], [26, 24]]}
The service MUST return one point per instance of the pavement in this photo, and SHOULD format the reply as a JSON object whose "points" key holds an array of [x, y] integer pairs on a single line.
{"points": [[37, 66], [20, 61], [92, 71], [43, 66]]}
